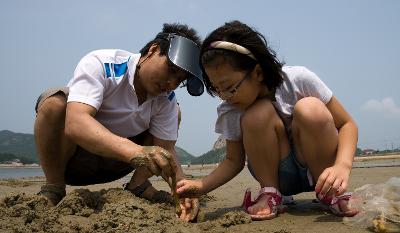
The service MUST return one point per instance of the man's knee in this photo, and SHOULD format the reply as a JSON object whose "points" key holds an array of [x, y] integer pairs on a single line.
{"points": [[53, 108]]}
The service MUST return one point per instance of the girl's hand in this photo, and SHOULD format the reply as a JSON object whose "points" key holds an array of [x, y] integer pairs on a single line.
{"points": [[333, 181], [190, 188]]}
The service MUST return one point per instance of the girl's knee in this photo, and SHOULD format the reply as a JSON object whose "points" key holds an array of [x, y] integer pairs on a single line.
{"points": [[311, 112], [258, 116]]}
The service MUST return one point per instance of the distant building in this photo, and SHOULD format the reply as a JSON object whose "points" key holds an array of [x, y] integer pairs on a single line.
{"points": [[369, 152], [16, 164]]}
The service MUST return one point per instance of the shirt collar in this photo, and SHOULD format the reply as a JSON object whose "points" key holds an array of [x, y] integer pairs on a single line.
{"points": [[133, 61], [132, 64]]}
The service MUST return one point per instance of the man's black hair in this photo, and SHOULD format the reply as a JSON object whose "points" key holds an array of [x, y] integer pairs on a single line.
{"points": [[176, 28]]}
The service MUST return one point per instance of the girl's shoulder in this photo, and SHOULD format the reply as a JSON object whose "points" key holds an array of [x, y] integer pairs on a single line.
{"points": [[299, 74], [304, 82], [296, 71], [225, 107]]}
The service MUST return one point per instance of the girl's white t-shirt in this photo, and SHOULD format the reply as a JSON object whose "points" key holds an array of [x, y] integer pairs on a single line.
{"points": [[299, 82]]}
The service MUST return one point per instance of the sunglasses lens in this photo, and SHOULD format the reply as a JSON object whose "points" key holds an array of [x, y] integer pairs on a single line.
{"points": [[194, 86]]}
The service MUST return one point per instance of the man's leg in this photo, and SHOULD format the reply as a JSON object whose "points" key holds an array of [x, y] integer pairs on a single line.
{"points": [[53, 147]]}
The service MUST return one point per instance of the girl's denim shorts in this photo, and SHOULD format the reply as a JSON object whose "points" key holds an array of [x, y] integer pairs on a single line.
{"points": [[294, 178]]}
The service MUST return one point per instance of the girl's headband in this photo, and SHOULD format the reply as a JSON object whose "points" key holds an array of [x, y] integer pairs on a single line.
{"points": [[233, 47]]}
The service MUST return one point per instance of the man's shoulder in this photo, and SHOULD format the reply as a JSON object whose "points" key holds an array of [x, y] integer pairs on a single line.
{"points": [[116, 56], [164, 98]]}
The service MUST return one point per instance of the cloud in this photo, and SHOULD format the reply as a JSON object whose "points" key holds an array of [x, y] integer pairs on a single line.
{"points": [[386, 106]]}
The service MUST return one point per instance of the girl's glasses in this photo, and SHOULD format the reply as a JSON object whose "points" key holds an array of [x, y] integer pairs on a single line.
{"points": [[229, 94]]}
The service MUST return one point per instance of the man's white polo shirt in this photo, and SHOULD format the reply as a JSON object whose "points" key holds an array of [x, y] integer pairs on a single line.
{"points": [[104, 79]]}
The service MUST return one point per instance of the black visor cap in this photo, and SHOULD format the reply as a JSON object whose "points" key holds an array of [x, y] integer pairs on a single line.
{"points": [[184, 53]]}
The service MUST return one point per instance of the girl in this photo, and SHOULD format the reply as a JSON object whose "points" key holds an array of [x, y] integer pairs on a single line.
{"points": [[295, 133]]}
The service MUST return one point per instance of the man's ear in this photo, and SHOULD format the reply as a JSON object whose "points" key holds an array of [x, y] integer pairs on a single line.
{"points": [[154, 48]]}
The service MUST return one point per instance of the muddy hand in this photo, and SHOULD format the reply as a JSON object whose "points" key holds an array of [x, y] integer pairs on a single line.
{"points": [[175, 197], [157, 160], [190, 209]]}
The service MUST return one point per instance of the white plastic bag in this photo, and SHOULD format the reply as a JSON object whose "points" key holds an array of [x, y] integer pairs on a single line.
{"points": [[379, 206]]}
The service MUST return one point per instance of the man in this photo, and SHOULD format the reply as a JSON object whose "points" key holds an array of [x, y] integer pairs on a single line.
{"points": [[119, 113]]}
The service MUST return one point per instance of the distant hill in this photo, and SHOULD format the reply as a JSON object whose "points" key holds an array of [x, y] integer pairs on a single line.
{"points": [[215, 155], [212, 156], [6, 158], [183, 156], [19, 146]]}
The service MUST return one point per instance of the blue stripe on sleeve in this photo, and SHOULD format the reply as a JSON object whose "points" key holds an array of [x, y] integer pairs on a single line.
{"points": [[116, 70], [120, 69], [107, 67], [171, 96]]}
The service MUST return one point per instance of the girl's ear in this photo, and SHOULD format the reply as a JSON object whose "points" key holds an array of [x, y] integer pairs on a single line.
{"points": [[259, 73]]}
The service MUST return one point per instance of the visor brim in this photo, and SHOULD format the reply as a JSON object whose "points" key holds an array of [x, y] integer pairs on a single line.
{"points": [[184, 53]]}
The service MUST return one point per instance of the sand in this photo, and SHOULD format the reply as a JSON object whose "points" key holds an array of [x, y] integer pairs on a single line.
{"points": [[108, 208]]}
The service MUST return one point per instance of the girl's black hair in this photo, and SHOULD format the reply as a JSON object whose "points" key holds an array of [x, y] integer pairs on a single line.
{"points": [[241, 34], [176, 28]]}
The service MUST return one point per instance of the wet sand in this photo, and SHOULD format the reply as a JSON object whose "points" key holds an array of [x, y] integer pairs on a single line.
{"points": [[108, 208]]}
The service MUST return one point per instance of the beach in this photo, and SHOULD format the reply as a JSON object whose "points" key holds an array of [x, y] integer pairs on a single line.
{"points": [[108, 208]]}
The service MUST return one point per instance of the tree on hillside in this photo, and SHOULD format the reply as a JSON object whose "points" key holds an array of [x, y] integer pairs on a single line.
{"points": [[7, 158]]}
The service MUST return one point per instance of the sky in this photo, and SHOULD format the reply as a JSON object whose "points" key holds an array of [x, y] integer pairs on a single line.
{"points": [[353, 46]]}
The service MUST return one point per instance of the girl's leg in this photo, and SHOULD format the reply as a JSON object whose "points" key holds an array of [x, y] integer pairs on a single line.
{"points": [[315, 137], [266, 143]]}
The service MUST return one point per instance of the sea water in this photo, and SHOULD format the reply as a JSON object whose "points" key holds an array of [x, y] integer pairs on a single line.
{"points": [[20, 172]]}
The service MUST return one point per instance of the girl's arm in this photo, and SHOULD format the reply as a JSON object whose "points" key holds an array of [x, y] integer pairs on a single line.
{"points": [[226, 170], [347, 133], [338, 175]]}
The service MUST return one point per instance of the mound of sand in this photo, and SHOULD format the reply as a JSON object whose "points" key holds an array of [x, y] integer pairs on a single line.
{"points": [[107, 210]]}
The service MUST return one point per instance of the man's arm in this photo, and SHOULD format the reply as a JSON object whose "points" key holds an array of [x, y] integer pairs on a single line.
{"points": [[169, 145], [82, 128]]}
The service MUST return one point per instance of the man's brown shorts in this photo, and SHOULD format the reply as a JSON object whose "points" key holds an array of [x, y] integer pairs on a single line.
{"points": [[85, 168]]}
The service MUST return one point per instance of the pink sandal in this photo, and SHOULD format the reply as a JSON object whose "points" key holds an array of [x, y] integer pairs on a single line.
{"points": [[333, 203], [274, 202]]}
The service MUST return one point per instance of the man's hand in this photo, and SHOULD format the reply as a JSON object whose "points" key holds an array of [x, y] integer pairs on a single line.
{"points": [[157, 160], [333, 181], [190, 209], [190, 188]]}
